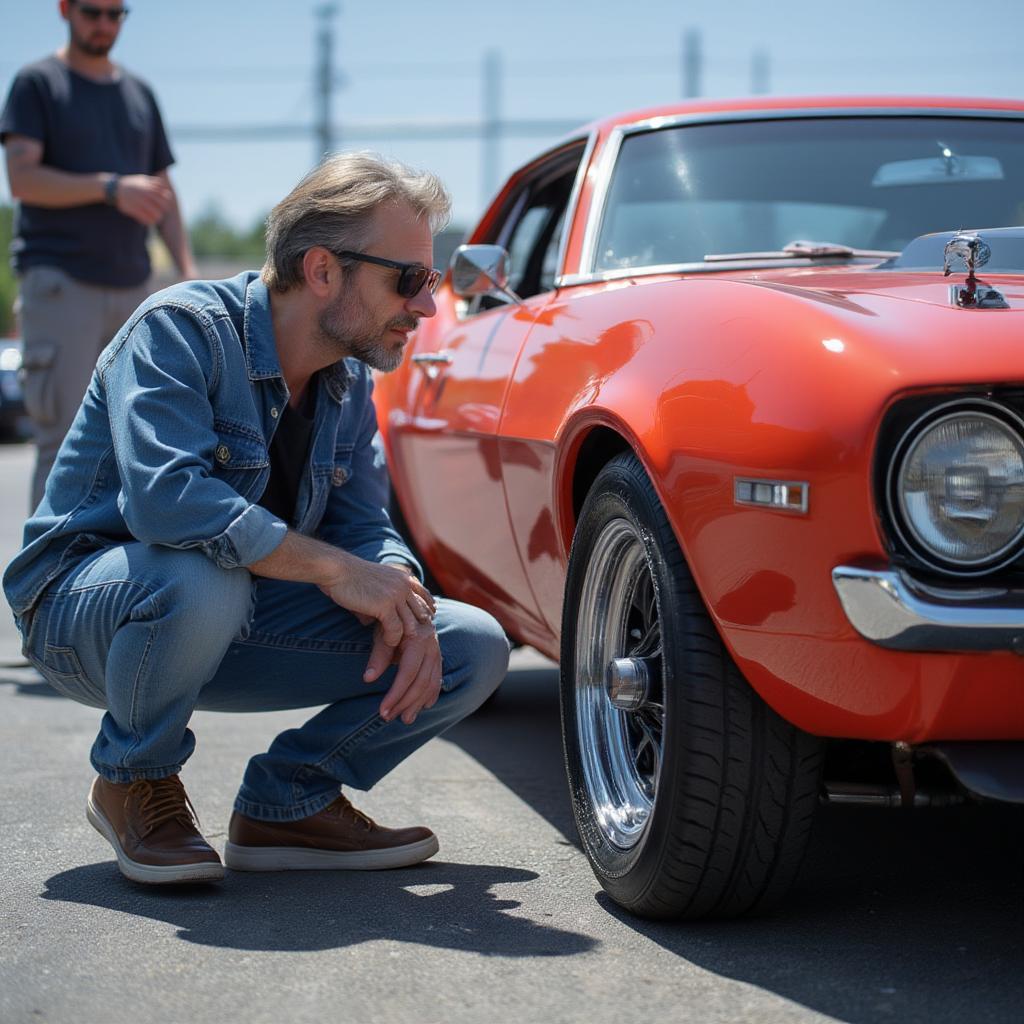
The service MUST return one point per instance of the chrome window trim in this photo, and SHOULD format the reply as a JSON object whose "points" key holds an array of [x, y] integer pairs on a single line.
{"points": [[572, 205], [610, 153], [602, 182]]}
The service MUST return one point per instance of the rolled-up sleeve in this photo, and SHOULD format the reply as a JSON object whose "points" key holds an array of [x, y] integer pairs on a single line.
{"points": [[157, 381]]}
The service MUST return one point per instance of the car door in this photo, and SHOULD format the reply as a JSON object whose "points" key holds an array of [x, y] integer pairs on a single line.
{"points": [[448, 451]]}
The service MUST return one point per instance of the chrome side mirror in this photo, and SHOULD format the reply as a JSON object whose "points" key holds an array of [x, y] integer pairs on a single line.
{"points": [[481, 270]]}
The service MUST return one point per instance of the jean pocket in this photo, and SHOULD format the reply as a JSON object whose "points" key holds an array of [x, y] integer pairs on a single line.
{"points": [[37, 381], [63, 671]]}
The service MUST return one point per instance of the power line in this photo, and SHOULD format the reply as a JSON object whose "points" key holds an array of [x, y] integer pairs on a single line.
{"points": [[369, 131]]}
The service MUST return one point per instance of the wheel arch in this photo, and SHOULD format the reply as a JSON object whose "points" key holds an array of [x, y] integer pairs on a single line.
{"points": [[587, 444]]}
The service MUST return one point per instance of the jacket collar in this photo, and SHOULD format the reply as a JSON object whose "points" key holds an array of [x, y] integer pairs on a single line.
{"points": [[261, 351]]}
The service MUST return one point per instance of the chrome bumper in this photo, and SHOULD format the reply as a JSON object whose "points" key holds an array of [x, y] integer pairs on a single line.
{"points": [[891, 609]]}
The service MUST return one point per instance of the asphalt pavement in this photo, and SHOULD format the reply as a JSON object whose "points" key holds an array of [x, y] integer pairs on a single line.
{"points": [[894, 918]]}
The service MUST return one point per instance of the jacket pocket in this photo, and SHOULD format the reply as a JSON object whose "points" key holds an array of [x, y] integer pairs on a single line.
{"points": [[240, 458], [341, 470]]}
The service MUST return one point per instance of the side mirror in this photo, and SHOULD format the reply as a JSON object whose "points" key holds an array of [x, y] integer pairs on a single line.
{"points": [[481, 270]]}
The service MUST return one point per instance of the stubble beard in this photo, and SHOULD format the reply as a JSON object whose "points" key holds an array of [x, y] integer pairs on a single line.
{"points": [[347, 332], [90, 49]]}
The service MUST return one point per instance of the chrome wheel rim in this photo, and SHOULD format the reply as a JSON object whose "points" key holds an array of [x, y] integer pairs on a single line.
{"points": [[620, 751]]}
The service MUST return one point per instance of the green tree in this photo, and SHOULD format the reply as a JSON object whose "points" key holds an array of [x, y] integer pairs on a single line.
{"points": [[213, 235], [8, 282]]}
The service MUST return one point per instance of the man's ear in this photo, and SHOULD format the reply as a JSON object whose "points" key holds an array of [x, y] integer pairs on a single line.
{"points": [[320, 270]]}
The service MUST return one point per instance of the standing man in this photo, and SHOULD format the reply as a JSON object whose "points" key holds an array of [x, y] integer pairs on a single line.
{"points": [[87, 160], [215, 535]]}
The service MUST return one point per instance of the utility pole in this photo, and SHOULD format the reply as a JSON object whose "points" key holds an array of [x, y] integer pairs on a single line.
{"points": [[490, 141], [760, 72], [692, 61], [323, 81]]}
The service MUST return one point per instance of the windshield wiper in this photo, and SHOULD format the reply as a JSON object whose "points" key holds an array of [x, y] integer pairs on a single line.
{"points": [[802, 250]]}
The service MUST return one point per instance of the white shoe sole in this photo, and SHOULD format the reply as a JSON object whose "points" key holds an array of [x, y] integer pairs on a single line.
{"points": [[152, 874], [296, 858]]}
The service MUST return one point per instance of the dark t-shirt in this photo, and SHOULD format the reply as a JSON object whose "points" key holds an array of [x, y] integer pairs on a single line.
{"points": [[289, 456], [85, 127]]}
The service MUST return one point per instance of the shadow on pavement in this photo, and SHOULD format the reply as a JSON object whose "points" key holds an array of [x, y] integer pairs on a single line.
{"points": [[517, 737], [27, 682], [917, 916], [450, 906], [891, 918]]}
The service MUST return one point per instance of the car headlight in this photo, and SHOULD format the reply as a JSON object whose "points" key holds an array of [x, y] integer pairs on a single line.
{"points": [[958, 488]]}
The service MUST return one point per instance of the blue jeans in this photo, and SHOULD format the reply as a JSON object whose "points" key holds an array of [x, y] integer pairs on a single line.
{"points": [[150, 634]]}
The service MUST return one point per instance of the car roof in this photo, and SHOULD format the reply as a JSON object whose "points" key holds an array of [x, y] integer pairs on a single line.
{"points": [[783, 104]]}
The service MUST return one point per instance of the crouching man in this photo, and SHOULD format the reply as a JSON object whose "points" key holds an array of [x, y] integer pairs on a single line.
{"points": [[214, 535]]}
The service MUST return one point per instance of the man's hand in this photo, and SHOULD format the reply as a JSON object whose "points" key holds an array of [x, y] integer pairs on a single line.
{"points": [[143, 197], [384, 593], [389, 595], [417, 684]]}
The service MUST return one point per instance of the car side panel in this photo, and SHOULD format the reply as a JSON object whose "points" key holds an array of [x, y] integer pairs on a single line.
{"points": [[447, 468]]}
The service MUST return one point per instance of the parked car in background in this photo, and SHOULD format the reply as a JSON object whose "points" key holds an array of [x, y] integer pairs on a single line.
{"points": [[723, 408], [14, 422]]}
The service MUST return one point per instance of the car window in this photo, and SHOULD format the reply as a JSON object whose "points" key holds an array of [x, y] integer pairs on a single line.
{"points": [[682, 193], [533, 228], [525, 237]]}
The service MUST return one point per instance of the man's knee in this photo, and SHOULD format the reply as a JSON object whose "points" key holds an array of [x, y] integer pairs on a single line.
{"points": [[199, 597], [474, 648]]}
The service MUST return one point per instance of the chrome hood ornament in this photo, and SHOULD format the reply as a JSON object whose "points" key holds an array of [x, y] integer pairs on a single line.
{"points": [[975, 252], [970, 248]]}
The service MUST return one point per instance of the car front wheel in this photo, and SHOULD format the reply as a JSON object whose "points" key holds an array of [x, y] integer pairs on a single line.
{"points": [[691, 796]]}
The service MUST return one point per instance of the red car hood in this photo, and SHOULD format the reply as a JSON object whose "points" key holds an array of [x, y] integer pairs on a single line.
{"points": [[872, 292]]}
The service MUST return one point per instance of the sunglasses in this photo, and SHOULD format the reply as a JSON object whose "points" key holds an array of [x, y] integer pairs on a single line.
{"points": [[115, 15], [412, 277]]}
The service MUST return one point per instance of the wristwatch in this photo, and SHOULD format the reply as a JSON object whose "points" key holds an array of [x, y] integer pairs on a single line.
{"points": [[110, 189]]}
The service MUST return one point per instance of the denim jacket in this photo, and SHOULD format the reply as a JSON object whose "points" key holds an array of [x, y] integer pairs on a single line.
{"points": [[170, 446]]}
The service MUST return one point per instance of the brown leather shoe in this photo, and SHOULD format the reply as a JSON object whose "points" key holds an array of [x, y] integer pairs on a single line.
{"points": [[339, 836], [152, 828]]}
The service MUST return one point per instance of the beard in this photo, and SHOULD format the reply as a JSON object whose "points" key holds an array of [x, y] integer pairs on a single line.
{"points": [[349, 331], [93, 49]]}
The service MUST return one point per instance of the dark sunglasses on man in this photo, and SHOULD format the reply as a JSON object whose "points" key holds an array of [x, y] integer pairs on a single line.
{"points": [[412, 277], [115, 15]]}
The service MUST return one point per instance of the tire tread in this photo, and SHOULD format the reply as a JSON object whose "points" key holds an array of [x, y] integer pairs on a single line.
{"points": [[731, 838]]}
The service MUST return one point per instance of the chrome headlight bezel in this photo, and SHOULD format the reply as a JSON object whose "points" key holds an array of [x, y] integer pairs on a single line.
{"points": [[909, 538]]}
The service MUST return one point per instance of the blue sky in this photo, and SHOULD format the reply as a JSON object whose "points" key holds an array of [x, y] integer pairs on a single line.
{"points": [[245, 62]]}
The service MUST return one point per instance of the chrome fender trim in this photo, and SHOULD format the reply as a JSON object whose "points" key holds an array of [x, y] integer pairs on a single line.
{"points": [[893, 610]]}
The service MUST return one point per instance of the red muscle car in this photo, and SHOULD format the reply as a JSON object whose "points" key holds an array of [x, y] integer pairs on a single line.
{"points": [[723, 408]]}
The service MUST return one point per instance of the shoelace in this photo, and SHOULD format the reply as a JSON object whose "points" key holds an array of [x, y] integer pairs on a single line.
{"points": [[343, 807], [160, 801]]}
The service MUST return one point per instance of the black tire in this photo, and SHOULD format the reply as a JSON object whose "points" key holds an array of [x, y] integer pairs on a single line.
{"points": [[714, 823]]}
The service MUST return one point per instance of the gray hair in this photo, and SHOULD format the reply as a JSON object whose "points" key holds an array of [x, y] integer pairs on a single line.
{"points": [[333, 206]]}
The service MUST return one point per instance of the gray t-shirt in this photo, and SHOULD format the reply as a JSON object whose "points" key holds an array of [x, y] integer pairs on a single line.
{"points": [[85, 126]]}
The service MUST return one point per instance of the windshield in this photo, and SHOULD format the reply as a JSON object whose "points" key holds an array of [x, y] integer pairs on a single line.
{"points": [[680, 194]]}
